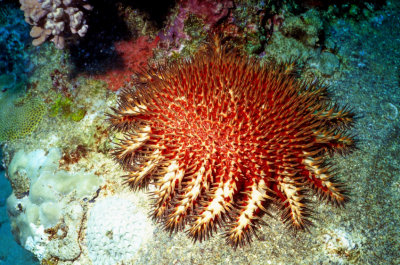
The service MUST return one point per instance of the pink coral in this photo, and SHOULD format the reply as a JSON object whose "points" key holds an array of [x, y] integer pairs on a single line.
{"points": [[135, 55]]}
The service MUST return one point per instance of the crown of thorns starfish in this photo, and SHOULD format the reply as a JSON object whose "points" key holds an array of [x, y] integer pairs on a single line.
{"points": [[223, 139]]}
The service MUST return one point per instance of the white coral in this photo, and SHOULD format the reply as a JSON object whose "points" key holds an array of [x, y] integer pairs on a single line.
{"points": [[116, 230]]}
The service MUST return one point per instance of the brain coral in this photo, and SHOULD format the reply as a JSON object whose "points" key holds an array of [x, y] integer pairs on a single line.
{"points": [[19, 120], [115, 231]]}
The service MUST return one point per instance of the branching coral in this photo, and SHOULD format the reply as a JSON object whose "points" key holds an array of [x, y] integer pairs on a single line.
{"points": [[55, 19]]}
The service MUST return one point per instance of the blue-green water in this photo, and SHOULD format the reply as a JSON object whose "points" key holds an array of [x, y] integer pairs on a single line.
{"points": [[10, 252]]}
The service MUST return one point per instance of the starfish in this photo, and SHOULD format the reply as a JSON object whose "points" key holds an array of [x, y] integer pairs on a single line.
{"points": [[223, 138]]}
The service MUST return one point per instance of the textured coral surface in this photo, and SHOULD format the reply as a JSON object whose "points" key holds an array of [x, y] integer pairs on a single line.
{"points": [[19, 120], [224, 139], [116, 237]]}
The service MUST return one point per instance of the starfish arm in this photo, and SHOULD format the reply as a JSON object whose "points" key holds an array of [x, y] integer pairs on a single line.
{"points": [[214, 211], [125, 150], [334, 141], [323, 181], [335, 117], [128, 111], [244, 223], [295, 212], [184, 202], [167, 178], [140, 175]]}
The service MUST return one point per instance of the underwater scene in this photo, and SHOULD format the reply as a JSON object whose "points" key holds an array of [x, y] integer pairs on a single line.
{"points": [[199, 132]]}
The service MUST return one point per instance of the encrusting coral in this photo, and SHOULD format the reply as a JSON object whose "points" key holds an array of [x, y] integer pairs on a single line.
{"points": [[20, 119], [223, 139], [55, 19]]}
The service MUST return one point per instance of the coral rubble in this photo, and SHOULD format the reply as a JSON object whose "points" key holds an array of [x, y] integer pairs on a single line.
{"points": [[210, 12]]}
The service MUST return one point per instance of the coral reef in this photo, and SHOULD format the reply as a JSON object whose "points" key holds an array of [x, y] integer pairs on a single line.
{"points": [[55, 19], [250, 25], [210, 11], [354, 9], [300, 38], [296, 39], [335, 40], [305, 28], [7, 81], [220, 153]]}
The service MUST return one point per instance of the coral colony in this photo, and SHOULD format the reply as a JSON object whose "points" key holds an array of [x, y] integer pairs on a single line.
{"points": [[224, 139], [55, 19]]}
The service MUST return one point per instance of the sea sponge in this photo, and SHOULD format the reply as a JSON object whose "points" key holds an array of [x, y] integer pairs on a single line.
{"points": [[20, 119]]}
